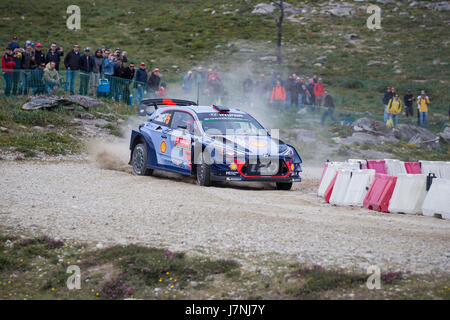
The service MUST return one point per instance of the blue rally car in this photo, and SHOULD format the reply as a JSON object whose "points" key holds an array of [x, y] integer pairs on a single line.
{"points": [[211, 143]]}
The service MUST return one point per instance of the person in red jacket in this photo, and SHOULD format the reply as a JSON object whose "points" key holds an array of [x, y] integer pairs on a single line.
{"points": [[318, 92], [278, 96], [8, 65]]}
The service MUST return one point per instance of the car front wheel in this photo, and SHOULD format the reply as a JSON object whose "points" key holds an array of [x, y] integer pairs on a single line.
{"points": [[139, 160]]}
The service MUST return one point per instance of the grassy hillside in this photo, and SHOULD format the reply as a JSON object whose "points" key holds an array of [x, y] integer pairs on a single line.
{"points": [[177, 35]]}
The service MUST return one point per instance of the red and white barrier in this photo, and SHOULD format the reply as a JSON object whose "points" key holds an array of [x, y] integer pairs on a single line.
{"points": [[340, 187], [378, 165], [358, 187], [409, 193], [380, 193], [413, 168], [330, 172], [437, 200], [395, 167], [362, 163]]}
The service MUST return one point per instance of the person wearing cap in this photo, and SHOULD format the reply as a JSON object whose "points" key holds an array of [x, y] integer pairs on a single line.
{"points": [[86, 67], [394, 108], [14, 44], [408, 99], [422, 104], [140, 83], [153, 83], [8, 65], [72, 64], [54, 54], [37, 83], [96, 71], [39, 55]]}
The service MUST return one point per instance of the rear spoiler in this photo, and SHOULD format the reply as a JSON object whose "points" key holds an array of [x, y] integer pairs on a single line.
{"points": [[167, 102]]}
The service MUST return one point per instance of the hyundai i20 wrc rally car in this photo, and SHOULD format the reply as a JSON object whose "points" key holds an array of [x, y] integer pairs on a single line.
{"points": [[211, 143]]}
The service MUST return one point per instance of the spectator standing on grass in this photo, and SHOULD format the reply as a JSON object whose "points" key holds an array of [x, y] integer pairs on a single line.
{"points": [[394, 108], [37, 74], [292, 89], [301, 91], [310, 94], [8, 65], [127, 76], [72, 64], [278, 96], [386, 98], [329, 104], [140, 83], [188, 83], [28, 64], [97, 70], [54, 54], [17, 76], [86, 67], [117, 79], [422, 104], [318, 92], [153, 83], [39, 55], [14, 44], [408, 99], [50, 77]]}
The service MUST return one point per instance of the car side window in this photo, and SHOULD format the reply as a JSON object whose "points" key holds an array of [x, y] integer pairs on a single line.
{"points": [[163, 118], [181, 118]]}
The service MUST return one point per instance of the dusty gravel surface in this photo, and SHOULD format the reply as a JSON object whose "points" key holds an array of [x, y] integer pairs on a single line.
{"points": [[80, 200]]}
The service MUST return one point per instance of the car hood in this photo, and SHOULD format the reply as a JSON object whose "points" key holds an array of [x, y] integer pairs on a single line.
{"points": [[254, 145]]}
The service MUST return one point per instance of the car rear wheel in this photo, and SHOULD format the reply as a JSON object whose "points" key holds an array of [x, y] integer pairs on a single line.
{"points": [[139, 160], [284, 185]]}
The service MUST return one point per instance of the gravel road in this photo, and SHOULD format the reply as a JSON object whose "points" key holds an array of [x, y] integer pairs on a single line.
{"points": [[79, 199]]}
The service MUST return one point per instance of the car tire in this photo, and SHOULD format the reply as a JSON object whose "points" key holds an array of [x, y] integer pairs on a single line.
{"points": [[284, 186], [139, 160], [204, 174]]}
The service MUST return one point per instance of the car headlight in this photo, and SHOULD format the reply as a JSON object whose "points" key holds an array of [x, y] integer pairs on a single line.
{"points": [[289, 153]]}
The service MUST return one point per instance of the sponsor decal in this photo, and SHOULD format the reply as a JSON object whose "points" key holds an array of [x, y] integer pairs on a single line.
{"points": [[258, 143], [183, 143]]}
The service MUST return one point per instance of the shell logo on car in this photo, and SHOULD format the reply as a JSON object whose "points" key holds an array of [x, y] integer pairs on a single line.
{"points": [[258, 143], [163, 147]]}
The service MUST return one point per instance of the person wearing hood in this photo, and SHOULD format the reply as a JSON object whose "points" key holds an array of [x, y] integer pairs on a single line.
{"points": [[97, 67], [50, 77]]}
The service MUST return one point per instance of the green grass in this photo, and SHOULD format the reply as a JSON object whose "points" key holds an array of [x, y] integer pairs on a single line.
{"points": [[35, 267]]}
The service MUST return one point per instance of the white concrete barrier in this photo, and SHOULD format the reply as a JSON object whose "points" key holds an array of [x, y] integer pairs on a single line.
{"points": [[363, 163], [340, 187], [358, 187], [409, 193], [440, 168], [395, 167], [331, 172], [437, 200]]}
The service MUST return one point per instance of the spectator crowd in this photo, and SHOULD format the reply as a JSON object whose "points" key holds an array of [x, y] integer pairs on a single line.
{"points": [[108, 73]]}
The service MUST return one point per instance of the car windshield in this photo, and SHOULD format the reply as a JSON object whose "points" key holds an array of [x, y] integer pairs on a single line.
{"points": [[238, 127]]}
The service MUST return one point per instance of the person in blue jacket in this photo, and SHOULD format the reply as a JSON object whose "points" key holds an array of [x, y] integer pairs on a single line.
{"points": [[140, 83]]}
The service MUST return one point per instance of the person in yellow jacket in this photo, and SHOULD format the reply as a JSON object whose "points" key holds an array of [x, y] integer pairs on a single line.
{"points": [[422, 104], [394, 108]]}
